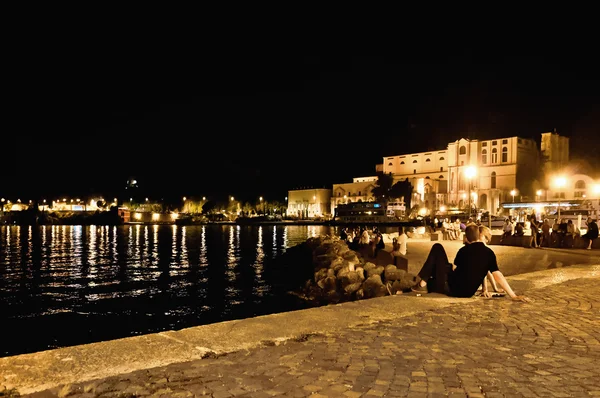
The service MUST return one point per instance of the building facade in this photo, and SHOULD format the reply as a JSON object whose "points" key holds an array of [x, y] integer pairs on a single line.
{"points": [[359, 190], [309, 203], [491, 172], [480, 173]]}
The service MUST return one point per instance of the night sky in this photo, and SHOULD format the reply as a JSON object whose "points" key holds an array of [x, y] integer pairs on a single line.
{"points": [[195, 123]]}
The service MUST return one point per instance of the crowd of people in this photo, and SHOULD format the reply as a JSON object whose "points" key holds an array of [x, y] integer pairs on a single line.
{"points": [[475, 264], [562, 233]]}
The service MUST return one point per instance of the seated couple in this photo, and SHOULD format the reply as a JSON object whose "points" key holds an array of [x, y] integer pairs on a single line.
{"points": [[472, 264]]}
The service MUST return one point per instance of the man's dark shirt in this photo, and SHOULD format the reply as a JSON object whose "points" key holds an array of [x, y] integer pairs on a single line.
{"points": [[472, 261]]}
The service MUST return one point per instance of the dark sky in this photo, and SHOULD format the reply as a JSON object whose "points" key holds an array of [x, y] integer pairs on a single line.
{"points": [[188, 122]]}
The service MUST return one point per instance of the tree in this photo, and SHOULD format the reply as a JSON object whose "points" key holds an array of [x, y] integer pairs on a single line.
{"points": [[383, 186], [385, 189], [402, 189]]}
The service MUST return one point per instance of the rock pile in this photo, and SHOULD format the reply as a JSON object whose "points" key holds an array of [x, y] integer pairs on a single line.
{"points": [[341, 274]]}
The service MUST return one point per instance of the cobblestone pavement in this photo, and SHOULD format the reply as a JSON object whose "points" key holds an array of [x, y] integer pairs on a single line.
{"points": [[484, 348]]}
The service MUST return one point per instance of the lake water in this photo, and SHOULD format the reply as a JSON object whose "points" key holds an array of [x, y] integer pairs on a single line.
{"points": [[67, 285]]}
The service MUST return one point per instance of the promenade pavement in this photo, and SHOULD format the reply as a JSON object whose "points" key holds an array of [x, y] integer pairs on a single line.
{"points": [[397, 346]]}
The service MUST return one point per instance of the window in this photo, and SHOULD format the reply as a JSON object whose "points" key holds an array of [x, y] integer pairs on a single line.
{"points": [[390, 164], [427, 178], [442, 158], [484, 156], [402, 162], [442, 168], [494, 142], [339, 194], [441, 177], [520, 141], [484, 144], [493, 182], [504, 155], [428, 160], [415, 171], [359, 193], [580, 184], [494, 155], [504, 142], [415, 161], [462, 150]]}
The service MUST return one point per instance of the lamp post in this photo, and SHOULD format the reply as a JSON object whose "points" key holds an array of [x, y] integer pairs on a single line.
{"points": [[470, 172], [560, 183], [262, 205]]}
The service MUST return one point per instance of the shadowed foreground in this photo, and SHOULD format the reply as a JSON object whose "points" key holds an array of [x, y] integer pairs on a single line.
{"points": [[474, 347]]}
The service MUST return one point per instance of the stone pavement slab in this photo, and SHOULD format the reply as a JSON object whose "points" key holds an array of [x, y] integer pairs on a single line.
{"points": [[471, 347]]}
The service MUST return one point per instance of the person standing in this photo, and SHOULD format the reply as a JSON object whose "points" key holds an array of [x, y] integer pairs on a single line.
{"points": [[592, 232]]}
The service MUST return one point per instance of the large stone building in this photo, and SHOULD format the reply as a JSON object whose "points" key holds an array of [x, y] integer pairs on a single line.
{"points": [[490, 171], [309, 203], [359, 190]]}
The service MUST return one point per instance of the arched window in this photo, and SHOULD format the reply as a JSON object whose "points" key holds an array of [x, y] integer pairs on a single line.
{"points": [[493, 182], [462, 150], [494, 155], [390, 164], [580, 189], [427, 178], [414, 161], [402, 162], [442, 158], [441, 177], [504, 155], [484, 156], [428, 160]]}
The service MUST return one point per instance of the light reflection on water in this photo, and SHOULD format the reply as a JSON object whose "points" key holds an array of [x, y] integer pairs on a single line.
{"points": [[62, 285]]}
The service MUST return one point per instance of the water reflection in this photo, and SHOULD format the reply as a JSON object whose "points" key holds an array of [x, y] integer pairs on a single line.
{"points": [[65, 285]]}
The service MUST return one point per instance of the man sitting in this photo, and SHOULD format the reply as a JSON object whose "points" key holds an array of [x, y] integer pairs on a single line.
{"points": [[472, 263]]}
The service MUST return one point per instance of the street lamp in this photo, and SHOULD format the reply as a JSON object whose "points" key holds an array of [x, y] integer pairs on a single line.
{"points": [[470, 172], [539, 194], [560, 183], [262, 205], [513, 193]]}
